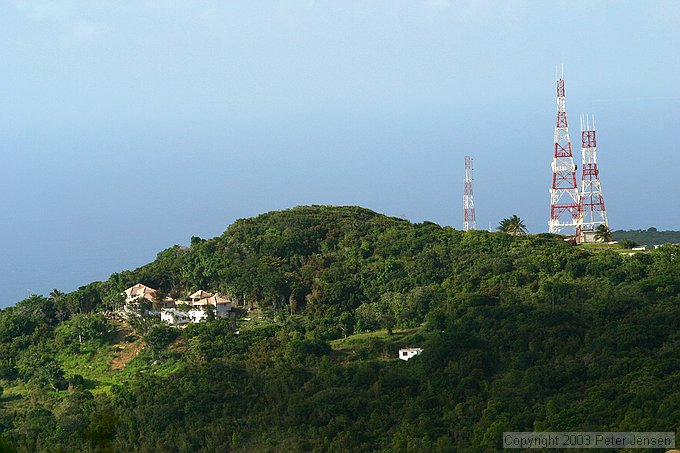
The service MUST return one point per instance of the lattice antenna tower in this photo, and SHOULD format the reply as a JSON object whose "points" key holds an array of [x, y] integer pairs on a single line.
{"points": [[470, 221], [564, 192], [592, 212]]}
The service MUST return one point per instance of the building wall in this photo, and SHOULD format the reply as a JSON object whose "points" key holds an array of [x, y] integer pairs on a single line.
{"points": [[405, 354], [197, 315]]}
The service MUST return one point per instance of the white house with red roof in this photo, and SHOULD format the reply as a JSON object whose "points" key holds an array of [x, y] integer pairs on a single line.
{"points": [[139, 291]]}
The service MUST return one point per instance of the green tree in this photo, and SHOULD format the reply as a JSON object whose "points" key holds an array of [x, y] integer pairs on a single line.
{"points": [[346, 323], [159, 336], [628, 244], [37, 365], [195, 240], [513, 225], [83, 327], [603, 233]]}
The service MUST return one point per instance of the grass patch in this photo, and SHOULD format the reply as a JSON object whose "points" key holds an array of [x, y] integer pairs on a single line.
{"points": [[378, 345], [601, 246], [92, 362], [254, 318]]}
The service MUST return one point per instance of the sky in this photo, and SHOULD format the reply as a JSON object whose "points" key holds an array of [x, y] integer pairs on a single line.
{"points": [[127, 127]]}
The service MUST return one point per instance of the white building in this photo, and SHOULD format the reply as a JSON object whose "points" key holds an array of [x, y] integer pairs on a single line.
{"points": [[221, 305], [198, 315], [139, 291], [176, 312], [196, 309], [407, 353], [198, 295], [174, 316], [177, 317]]}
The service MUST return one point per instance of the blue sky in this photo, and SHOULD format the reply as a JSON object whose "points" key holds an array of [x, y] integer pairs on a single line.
{"points": [[128, 126]]}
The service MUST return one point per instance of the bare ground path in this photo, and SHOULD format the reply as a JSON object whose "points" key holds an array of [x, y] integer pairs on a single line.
{"points": [[126, 350]]}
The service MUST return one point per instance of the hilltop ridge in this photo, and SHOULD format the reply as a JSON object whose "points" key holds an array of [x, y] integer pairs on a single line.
{"points": [[650, 236], [517, 334]]}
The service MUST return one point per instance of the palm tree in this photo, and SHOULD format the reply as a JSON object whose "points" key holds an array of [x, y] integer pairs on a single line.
{"points": [[603, 233], [514, 225]]}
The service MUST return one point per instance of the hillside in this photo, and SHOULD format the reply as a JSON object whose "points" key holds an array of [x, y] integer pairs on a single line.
{"points": [[518, 334], [650, 236]]}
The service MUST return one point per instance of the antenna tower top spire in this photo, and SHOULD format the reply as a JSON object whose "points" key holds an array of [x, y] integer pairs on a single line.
{"points": [[563, 192]]}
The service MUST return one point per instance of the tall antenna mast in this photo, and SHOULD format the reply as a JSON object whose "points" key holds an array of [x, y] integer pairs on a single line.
{"points": [[470, 222], [563, 193], [592, 212]]}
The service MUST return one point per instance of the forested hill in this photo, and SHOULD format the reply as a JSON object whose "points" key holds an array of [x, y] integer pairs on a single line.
{"points": [[650, 236], [518, 334]]}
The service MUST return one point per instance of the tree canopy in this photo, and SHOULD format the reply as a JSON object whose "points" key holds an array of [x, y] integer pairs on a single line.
{"points": [[513, 225], [519, 333], [603, 233]]}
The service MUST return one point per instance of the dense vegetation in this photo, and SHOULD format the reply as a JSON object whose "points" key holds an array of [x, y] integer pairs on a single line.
{"points": [[519, 333], [650, 236]]}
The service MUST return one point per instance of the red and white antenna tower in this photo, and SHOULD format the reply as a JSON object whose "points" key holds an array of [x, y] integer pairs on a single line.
{"points": [[592, 212], [470, 222], [564, 193]]}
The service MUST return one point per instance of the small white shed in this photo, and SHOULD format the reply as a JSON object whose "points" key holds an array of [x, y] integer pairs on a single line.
{"points": [[407, 353]]}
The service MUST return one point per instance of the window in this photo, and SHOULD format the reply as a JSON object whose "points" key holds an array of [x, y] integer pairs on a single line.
{"points": [[405, 353]]}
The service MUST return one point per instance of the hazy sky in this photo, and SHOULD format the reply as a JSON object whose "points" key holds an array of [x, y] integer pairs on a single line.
{"points": [[128, 126]]}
